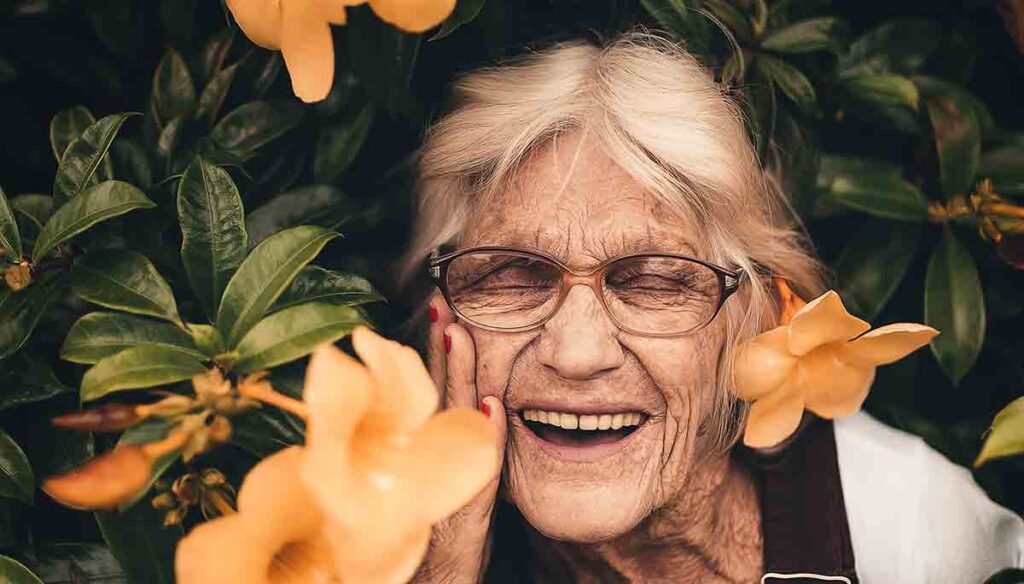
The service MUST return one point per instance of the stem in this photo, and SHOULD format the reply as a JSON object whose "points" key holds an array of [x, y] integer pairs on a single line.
{"points": [[264, 393], [1004, 209], [220, 502]]}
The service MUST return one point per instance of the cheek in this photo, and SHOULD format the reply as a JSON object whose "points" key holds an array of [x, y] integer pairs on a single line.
{"points": [[495, 355]]}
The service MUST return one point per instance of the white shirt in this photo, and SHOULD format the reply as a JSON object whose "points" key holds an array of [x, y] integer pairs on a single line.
{"points": [[914, 516]]}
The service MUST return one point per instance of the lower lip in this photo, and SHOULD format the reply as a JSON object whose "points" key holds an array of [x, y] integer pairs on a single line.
{"points": [[588, 453]]}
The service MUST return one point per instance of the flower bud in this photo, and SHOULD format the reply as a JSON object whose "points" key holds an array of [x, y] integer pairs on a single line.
{"points": [[105, 418], [18, 277], [104, 482]]}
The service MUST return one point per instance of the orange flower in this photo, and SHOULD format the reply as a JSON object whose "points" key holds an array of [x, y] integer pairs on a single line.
{"points": [[358, 500], [301, 30], [822, 360]]}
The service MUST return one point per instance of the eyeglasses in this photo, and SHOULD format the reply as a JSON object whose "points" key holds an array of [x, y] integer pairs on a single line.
{"points": [[510, 289]]}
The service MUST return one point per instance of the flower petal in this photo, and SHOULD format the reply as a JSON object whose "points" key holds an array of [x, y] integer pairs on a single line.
{"points": [[833, 387], [333, 11], [889, 343], [773, 418], [362, 556], [406, 395], [823, 320], [762, 364], [308, 49], [202, 556], [413, 15], [338, 391], [260, 20]]}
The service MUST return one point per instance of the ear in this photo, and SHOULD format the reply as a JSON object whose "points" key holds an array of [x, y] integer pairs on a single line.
{"points": [[786, 300]]}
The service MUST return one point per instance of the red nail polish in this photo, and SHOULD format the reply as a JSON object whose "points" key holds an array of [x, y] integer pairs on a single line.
{"points": [[433, 312], [447, 343], [485, 408]]}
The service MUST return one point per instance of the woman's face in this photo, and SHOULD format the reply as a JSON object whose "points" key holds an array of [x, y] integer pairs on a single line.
{"points": [[574, 203]]}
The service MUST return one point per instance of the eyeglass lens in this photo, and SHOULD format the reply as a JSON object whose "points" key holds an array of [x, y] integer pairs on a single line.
{"points": [[650, 294]]}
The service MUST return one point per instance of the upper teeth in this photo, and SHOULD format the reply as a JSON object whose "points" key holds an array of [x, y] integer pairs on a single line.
{"points": [[569, 421]]}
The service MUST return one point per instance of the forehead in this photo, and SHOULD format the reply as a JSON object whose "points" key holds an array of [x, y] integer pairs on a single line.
{"points": [[573, 201]]}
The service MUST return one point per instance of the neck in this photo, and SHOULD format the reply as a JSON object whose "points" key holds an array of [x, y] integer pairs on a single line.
{"points": [[710, 532]]}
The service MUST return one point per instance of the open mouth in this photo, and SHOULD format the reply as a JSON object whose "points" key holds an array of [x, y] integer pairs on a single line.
{"points": [[581, 430]]}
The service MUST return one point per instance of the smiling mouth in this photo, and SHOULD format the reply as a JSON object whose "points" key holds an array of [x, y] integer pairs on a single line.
{"points": [[581, 430]]}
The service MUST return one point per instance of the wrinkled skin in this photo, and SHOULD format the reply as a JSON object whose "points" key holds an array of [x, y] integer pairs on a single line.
{"points": [[616, 515]]}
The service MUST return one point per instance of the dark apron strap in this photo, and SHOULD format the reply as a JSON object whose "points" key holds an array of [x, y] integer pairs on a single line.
{"points": [[803, 517]]}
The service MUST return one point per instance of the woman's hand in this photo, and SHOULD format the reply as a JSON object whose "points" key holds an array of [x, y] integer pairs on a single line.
{"points": [[460, 545]]}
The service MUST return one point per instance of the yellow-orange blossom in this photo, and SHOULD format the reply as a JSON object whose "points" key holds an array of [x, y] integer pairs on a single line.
{"points": [[823, 360], [357, 502], [301, 30]]}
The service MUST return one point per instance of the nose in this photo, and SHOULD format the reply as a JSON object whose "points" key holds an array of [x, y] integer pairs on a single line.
{"points": [[580, 341]]}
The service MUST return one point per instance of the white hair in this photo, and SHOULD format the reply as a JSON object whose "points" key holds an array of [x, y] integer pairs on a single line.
{"points": [[661, 116]]}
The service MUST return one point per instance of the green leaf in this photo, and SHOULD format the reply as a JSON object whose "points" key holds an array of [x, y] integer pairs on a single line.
{"points": [[886, 90], [294, 332], [1006, 435], [732, 18], [873, 264], [954, 304], [315, 284], [897, 46], [957, 132], [213, 237], [212, 98], [150, 430], [681, 19], [464, 13], [28, 379], [143, 547], [871, 187], [255, 124], [214, 53], [383, 58], [805, 36], [207, 339], [16, 478], [66, 126], [82, 158], [37, 208], [174, 94], [265, 431], [338, 144], [97, 203], [123, 280], [98, 335], [10, 237], [20, 311], [58, 563], [131, 163], [321, 205], [137, 367], [790, 80], [13, 572], [264, 275], [1004, 165], [1006, 576]]}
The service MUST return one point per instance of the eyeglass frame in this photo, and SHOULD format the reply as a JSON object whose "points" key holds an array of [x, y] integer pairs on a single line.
{"points": [[437, 267]]}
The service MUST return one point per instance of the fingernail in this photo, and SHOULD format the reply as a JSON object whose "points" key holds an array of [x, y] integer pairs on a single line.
{"points": [[447, 342], [433, 312], [485, 408]]}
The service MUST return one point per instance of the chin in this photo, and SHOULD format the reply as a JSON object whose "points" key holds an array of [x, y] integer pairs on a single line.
{"points": [[584, 513]]}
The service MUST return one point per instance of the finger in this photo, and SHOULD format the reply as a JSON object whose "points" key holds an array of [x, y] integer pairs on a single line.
{"points": [[460, 383], [440, 317]]}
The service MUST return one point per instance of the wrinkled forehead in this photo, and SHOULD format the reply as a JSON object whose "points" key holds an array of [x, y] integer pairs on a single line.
{"points": [[574, 202]]}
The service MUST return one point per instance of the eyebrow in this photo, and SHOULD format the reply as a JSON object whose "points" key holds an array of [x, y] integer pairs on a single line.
{"points": [[558, 247]]}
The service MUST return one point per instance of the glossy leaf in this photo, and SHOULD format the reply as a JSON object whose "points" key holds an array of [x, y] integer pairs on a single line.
{"points": [[382, 58], [98, 335], [14, 572], [66, 126], [173, 93], [98, 203], [206, 338], [681, 19], [957, 133], [123, 280], [84, 156], [27, 379], [338, 144], [886, 90], [893, 47], [10, 237], [732, 18], [16, 478], [35, 207], [1006, 436], [790, 80], [873, 188], [264, 275], [143, 547], [137, 367], [1004, 165], [293, 333], [955, 305], [212, 98], [315, 284], [813, 34], [321, 205], [873, 264], [264, 431], [214, 54], [94, 563], [213, 236], [20, 311], [255, 124], [464, 13]]}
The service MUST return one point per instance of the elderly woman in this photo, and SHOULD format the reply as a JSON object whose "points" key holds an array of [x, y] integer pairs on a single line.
{"points": [[600, 234]]}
